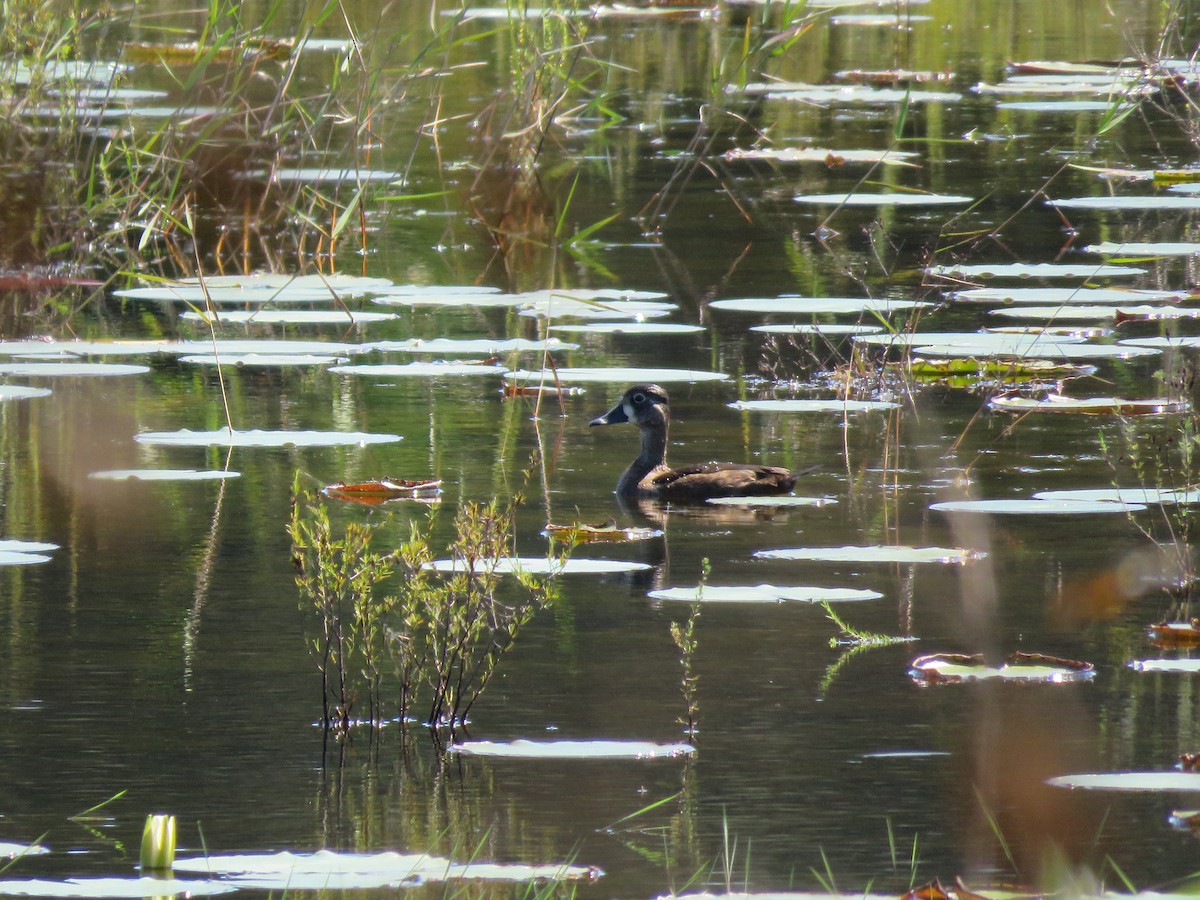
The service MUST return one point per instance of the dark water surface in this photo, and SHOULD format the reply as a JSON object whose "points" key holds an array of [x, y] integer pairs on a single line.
{"points": [[162, 651]]}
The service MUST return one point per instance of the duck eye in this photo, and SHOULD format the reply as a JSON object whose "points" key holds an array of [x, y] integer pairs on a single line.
{"points": [[639, 399]]}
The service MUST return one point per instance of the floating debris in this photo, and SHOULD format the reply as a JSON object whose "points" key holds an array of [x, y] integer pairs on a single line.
{"points": [[1118, 406]]}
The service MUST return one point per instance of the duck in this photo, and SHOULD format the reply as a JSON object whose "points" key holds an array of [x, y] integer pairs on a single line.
{"points": [[648, 407]]}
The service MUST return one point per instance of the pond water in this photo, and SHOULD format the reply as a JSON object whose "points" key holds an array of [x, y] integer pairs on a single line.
{"points": [[162, 650]]}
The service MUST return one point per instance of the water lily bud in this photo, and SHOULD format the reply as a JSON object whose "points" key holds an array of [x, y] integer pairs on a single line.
{"points": [[158, 843]]}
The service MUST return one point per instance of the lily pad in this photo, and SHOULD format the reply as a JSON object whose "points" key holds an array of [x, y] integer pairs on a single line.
{"points": [[879, 553], [266, 281], [888, 199], [11, 851], [554, 306], [615, 374], [197, 295], [474, 345], [763, 593], [1175, 342], [818, 328], [223, 437], [628, 328], [1035, 507], [1181, 666], [263, 347], [1145, 782], [14, 558], [1125, 495], [1176, 634], [1056, 403], [71, 369], [1128, 202], [525, 749], [540, 565], [66, 349], [1144, 248], [1067, 313], [118, 888], [375, 493], [262, 360], [822, 155], [1076, 296], [998, 341], [327, 870], [771, 501], [1023, 348], [817, 306], [12, 546], [1010, 369], [1035, 270], [21, 392], [1058, 106], [420, 369], [289, 317], [841, 406], [1025, 668], [164, 475]]}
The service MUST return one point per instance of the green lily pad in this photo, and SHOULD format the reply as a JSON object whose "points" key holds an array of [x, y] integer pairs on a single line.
{"points": [[289, 317], [164, 475], [817, 306], [71, 369], [262, 360], [487, 346], [889, 199], [840, 406], [540, 565], [1128, 202], [615, 374], [1056, 403], [21, 392], [1145, 782], [1076, 296], [263, 347], [1025, 668], [821, 155], [12, 851], [1036, 507], [762, 593], [1125, 495], [1035, 270], [1181, 666], [223, 437], [420, 370], [327, 870], [818, 328], [1073, 352], [116, 888], [1144, 248], [879, 553], [525, 749], [628, 328]]}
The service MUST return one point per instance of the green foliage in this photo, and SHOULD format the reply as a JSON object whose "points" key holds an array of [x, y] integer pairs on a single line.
{"points": [[684, 636], [443, 633]]}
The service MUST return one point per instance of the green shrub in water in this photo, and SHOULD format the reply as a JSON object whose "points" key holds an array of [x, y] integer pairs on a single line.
{"points": [[438, 638]]}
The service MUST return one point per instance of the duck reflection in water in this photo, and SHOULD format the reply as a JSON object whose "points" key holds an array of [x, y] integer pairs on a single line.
{"points": [[649, 476]]}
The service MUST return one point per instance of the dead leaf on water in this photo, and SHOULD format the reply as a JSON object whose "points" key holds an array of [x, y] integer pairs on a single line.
{"points": [[578, 533], [373, 493]]}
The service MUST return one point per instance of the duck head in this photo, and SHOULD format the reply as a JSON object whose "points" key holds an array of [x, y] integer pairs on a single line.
{"points": [[643, 405]]}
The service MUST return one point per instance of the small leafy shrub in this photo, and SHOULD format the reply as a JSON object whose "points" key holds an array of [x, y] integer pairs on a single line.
{"points": [[437, 639]]}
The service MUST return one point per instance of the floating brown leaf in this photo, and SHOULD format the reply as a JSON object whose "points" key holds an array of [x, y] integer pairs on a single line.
{"points": [[372, 493], [577, 533], [1176, 634]]}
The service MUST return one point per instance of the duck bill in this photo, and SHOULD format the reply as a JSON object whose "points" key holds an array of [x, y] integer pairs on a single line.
{"points": [[614, 416]]}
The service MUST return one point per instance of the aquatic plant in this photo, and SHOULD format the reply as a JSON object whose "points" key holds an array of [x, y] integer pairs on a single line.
{"points": [[684, 637], [443, 631]]}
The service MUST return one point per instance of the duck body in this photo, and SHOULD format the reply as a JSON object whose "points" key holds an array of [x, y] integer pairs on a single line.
{"points": [[647, 407]]}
